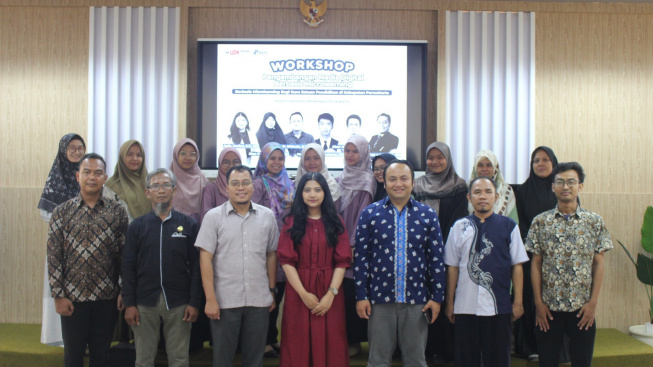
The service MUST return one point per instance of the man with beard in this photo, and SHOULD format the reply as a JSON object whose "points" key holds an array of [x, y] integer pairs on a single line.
{"points": [[161, 274], [483, 254]]}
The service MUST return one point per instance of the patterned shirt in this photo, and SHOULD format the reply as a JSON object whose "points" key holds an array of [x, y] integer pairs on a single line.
{"points": [[398, 255], [484, 253], [84, 249], [567, 247]]}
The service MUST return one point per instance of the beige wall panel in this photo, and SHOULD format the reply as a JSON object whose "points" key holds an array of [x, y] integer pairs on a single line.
{"points": [[23, 236], [338, 24], [594, 99], [44, 77]]}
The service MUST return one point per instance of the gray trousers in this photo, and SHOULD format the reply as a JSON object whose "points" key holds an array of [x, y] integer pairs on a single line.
{"points": [[247, 324], [392, 321], [176, 332]]}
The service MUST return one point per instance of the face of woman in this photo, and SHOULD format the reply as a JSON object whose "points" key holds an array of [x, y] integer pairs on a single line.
{"points": [[134, 158], [313, 194], [270, 122], [379, 166], [542, 165], [436, 161], [484, 168], [276, 162], [229, 160], [241, 123], [187, 156], [75, 150], [352, 156], [312, 161]]}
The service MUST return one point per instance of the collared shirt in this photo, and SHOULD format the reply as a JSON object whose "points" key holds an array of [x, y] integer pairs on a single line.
{"points": [[160, 256], [295, 144], [484, 253], [398, 255], [239, 245], [84, 249], [567, 247]]}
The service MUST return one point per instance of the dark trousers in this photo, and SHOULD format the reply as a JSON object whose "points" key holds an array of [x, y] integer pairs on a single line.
{"points": [[482, 338], [581, 342], [356, 327], [91, 324], [273, 332], [247, 325]]}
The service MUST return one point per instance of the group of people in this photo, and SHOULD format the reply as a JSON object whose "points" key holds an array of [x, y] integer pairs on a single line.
{"points": [[270, 132], [428, 267]]}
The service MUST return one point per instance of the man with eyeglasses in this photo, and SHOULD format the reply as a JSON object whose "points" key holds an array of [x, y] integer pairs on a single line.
{"points": [[161, 274], [568, 245], [238, 261]]}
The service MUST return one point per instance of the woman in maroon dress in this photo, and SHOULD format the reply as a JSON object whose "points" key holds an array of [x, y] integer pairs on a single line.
{"points": [[314, 252]]}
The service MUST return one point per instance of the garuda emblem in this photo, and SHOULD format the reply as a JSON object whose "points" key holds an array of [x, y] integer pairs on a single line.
{"points": [[312, 12]]}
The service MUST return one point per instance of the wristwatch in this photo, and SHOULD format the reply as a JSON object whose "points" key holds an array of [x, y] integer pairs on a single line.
{"points": [[334, 291], [273, 290]]}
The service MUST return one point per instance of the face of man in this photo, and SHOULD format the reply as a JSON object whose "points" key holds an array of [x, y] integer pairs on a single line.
{"points": [[566, 186], [384, 124], [296, 123], [240, 188], [160, 192], [91, 176], [398, 182], [325, 127], [482, 196], [354, 125]]}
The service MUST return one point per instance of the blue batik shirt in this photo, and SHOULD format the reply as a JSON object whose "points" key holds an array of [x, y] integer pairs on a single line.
{"points": [[398, 256]]}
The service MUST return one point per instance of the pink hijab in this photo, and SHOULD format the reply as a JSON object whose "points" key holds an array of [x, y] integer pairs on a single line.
{"points": [[358, 177], [221, 180], [190, 183]]}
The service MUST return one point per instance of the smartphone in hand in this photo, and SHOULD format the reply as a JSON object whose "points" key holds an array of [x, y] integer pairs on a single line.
{"points": [[428, 314]]}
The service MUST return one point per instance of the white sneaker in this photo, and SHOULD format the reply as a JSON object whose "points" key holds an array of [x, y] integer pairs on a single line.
{"points": [[533, 357]]}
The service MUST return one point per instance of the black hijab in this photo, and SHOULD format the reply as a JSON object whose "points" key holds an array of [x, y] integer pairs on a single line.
{"points": [[265, 135], [61, 184], [380, 188], [535, 195]]}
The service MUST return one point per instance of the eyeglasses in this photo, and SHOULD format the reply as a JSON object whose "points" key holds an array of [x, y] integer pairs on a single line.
{"points": [[192, 154], [237, 184], [72, 149], [378, 169], [157, 187], [235, 162], [561, 183]]}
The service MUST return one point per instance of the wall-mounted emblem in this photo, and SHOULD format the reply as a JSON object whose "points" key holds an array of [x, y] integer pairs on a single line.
{"points": [[313, 12]]}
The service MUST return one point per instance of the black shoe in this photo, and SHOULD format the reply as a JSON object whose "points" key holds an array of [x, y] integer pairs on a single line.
{"points": [[271, 354]]}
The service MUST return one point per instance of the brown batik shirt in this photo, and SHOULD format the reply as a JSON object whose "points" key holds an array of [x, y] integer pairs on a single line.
{"points": [[84, 249]]}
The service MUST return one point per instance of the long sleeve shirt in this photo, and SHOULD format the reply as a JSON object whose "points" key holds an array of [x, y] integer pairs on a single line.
{"points": [[84, 249], [160, 256], [399, 255]]}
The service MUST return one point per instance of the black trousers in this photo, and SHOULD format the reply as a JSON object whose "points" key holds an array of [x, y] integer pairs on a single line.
{"points": [[356, 327], [91, 324], [482, 338], [581, 342], [273, 332]]}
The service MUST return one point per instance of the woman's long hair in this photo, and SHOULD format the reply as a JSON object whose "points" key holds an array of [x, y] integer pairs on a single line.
{"points": [[333, 226], [235, 131]]}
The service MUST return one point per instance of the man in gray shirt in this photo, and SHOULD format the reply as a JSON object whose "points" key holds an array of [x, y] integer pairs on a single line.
{"points": [[238, 262]]}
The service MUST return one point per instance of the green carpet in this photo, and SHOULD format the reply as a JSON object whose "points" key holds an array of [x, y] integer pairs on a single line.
{"points": [[20, 346]]}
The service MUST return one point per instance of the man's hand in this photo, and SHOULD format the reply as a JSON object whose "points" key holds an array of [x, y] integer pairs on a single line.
{"points": [[542, 316], [448, 311], [587, 313], [364, 309], [517, 311], [212, 309], [120, 304], [191, 314], [435, 309], [310, 300], [132, 317], [273, 305], [63, 306], [324, 305]]}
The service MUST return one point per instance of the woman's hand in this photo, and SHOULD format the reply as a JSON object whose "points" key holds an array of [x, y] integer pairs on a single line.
{"points": [[324, 305], [310, 300]]}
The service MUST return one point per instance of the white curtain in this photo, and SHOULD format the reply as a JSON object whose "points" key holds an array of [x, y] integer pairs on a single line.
{"points": [[133, 81], [491, 89]]}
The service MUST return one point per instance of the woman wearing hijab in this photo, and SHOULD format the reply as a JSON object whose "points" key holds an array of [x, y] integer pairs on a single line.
{"points": [[239, 134], [127, 185], [486, 164], [446, 193], [312, 160], [215, 193], [534, 196], [274, 189], [356, 184], [270, 131], [60, 186], [378, 166], [190, 179]]}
